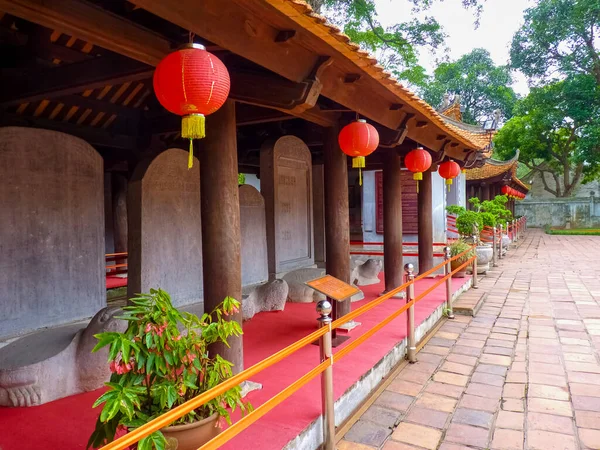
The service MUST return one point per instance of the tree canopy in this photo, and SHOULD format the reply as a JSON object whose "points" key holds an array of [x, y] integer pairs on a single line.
{"points": [[558, 38], [396, 46], [557, 130], [483, 86]]}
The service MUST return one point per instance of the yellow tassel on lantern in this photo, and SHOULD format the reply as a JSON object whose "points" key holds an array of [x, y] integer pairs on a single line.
{"points": [[192, 127], [448, 183], [359, 162]]}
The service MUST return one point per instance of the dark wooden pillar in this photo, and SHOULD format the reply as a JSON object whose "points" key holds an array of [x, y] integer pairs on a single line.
{"points": [[485, 192], [220, 207], [337, 221], [392, 221], [425, 220]]}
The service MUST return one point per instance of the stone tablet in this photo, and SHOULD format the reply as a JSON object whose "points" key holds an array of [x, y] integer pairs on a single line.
{"points": [[286, 184], [254, 236], [51, 230], [165, 237]]}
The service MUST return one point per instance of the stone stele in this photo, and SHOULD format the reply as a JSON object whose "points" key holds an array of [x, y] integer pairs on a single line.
{"points": [[51, 230], [165, 230], [286, 185], [253, 230], [55, 363], [368, 272], [270, 296]]}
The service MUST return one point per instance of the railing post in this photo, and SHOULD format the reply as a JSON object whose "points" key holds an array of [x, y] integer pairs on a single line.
{"points": [[448, 271], [411, 344], [500, 244], [475, 286], [324, 308], [515, 231], [495, 247]]}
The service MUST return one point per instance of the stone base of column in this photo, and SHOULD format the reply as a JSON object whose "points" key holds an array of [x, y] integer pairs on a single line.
{"points": [[249, 386], [401, 294], [349, 326]]}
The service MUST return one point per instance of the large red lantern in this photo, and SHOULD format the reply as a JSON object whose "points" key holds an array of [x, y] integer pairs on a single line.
{"points": [[418, 161], [358, 140], [449, 170], [192, 83], [505, 190]]}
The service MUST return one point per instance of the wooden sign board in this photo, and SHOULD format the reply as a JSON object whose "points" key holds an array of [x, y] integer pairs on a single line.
{"points": [[333, 288]]}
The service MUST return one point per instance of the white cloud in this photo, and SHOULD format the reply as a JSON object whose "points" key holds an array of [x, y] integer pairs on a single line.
{"points": [[500, 20]]}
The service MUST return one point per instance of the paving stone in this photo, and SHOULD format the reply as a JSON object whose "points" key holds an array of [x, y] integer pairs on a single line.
{"points": [[544, 378], [512, 404], [507, 439], [588, 419], [451, 446], [462, 359], [461, 369], [394, 445], [591, 390], [498, 351], [348, 445], [509, 419], [590, 438], [579, 357], [448, 390], [484, 390], [487, 378], [393, 400], [513, 390], [549, 392], [368, 433], [494, 370], [417, 435], [497, 360], [552, 369], [436, 402], [480, 403], [430, 358], [585, 403], [451, 378], [584, 378], [441, 342], [402, 386], [427, 417], [382, 416], [469, 351], [435, 349], [545, 440], [415, 376], [473, 417], [549, 422], [550, 406], [467, 435]]}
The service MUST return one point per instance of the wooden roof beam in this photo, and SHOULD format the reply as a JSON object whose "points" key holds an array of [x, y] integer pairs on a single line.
{"points": [[73, 79]]}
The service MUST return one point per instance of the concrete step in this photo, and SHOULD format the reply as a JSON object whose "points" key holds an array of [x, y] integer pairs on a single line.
{"points": [[470, 302]]}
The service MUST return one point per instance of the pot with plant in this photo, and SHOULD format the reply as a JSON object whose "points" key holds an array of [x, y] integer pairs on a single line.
{"points": [[456, 248], [161, 361]]}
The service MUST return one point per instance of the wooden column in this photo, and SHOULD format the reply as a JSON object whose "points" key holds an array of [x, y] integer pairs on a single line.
{"points": [[485, 192], [220, 207], [392, 221], [337, 221], [425, 220]]}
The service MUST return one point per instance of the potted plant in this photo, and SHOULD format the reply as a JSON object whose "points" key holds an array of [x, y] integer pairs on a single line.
{"points": [[456, 248], [160, 362]]}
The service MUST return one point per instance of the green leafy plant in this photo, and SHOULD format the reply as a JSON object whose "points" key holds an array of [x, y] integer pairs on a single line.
{"points": [[162, 361], [468, 222], [459, 246]]}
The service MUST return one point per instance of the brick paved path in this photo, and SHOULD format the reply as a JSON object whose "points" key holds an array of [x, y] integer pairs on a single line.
{"points": [[523, 374]]}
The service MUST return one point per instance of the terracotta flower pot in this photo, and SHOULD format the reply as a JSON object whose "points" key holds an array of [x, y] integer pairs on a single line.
{"points": [[461, 273], [192, 435]]}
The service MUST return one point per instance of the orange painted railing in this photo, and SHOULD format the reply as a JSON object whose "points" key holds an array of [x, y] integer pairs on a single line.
{"points": [[114, 269], [176, 413]]}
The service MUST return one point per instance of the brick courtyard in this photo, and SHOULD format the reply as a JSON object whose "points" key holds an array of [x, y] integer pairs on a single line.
{"points": [[523, 374]]}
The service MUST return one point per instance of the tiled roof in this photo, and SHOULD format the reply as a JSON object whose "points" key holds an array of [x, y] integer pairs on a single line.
{"points": [[493, 168], [302, 13]]}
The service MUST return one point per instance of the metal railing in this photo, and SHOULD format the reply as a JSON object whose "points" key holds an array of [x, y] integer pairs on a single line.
{"points": [[324, 368]]}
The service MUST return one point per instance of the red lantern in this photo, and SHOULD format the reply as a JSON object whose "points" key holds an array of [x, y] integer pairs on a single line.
{"points": [[449, 170], [418, 161], [358, 140], [192, 83], [505, 190]]}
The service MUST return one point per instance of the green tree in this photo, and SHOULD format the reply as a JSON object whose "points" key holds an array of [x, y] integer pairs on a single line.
{"points": [[557, 130], [559, 37], [396, 46], [483, 86]]}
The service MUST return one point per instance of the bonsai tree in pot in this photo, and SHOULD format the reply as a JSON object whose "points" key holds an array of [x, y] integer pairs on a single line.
{"points": [[456, 248], [162, 361]]}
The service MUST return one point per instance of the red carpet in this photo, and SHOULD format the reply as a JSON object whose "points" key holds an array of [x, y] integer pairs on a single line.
{"points": [[67, 423], [113, 281]]}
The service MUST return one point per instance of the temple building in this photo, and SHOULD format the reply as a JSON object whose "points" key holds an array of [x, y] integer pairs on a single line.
{"points": [[92, 165]]}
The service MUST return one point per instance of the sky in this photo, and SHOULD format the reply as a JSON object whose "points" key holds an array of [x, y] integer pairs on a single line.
{"points": [[499, 22]]}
